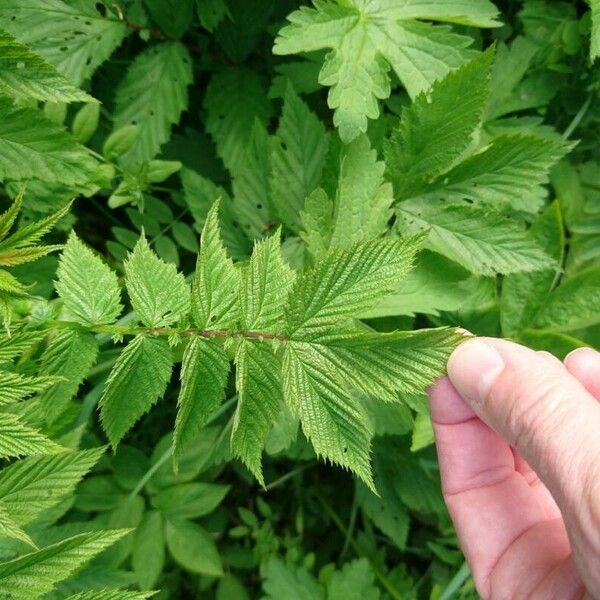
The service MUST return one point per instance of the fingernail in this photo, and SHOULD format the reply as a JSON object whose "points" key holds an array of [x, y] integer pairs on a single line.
{"points": [[585, 351], [472, 368]]}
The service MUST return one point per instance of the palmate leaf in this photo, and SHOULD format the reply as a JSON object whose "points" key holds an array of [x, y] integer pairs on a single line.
{"points": [[18, 439], [367, 38], [31, 486], [33, 575], [73, 36], [234, 98], [89, 288], [32, 147], [346, 282], [484, 242], [335, 424], [436, 129], [152, 96], [158, 293], [204, 372], [216, 282], [299, 156], [25, 74], [138, 379]]}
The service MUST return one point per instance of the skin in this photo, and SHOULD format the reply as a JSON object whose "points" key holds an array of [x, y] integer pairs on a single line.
{"points": [[518, 439]]}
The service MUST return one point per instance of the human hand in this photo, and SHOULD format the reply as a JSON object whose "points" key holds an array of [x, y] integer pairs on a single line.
{"points": [[518, 439]]}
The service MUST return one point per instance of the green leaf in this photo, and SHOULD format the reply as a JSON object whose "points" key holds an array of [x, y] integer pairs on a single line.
{"points": [[111, 595], [15, 387], [298, 158], [266, 283], [212, 12], [282, 580], [24, 74], [595, 39], [574, 304], [235, 97], [85, 122], [355, 581], [18, 439], [32, 486], [159, 294], [15, 343], [436, 128], [204, 373], [138, 379], [260, 401], [252, 201], [70, 355], [524, 294], [33, 575], [360, 210], [152, 96], [513, 171], [172, 16], [32, 147], [366, 39], [484, 242], [193, 548], [89, 289], [120, 141], [73, 36], [9, 529], [331, 419], [385, 364], [190, 500], [346, 282], [216, 283], [148, 553]]}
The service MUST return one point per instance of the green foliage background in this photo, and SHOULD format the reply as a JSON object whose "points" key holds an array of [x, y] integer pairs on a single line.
{"points": [[282, 211]]}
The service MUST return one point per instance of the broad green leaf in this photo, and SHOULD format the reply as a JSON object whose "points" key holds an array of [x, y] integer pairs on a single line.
{"points": [[422, 435], [347, 282], [193, 548], [32, 147], [33, 575], [436, 129], [138, 379], [204, 373], [385, 364], [74, 36], [18, 439], [152, 96], [595, 39], [524, 294], [282, 580], [235, 97], [32, 486], [190, 500], [15, 387], [299, 156], [9, 529], [360, 209], [574, 304], [89, 288], [367, 39], [512, 171], [159, 294], [212, 12], [172, 16], [85, 122], [231, 588], [24, 74], [331, 419], [559, 344], [70, 355], [216, 283], [148, 554], [484, 242], [355, 581], [252, 203], [260, 400], [266, 283], [111, 595]]}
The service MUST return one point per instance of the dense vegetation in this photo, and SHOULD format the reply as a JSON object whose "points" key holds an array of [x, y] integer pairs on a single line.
{"points": [[237, 238]]}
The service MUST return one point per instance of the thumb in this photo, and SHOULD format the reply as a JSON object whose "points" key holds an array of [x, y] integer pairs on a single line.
{"points": [[539, 408]]}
